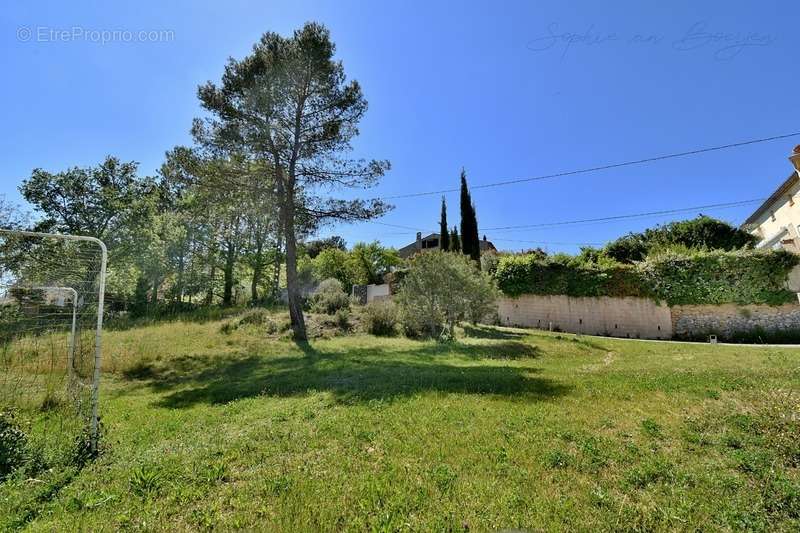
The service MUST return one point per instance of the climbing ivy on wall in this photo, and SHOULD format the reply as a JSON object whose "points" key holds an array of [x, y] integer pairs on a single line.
{"points": [[702, 277]]}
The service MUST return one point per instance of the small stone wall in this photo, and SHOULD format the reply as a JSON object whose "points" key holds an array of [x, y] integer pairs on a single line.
{"points": [[636, 318], [729, 321]]}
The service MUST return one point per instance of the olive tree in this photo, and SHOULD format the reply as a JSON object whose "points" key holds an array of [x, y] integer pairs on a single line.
{"points": [[440, 289]]}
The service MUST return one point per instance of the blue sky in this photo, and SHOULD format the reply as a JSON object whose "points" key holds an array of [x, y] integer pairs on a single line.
{"points": [[505, 90]]}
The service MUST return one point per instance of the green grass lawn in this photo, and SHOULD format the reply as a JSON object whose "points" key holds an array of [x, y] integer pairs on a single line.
{"points": [[503, 429]]}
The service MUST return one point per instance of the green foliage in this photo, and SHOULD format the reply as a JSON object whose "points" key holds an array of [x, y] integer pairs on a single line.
{"points": [[717, 277], [332, 263], [560, 274], [455, 240], [13, 442], [370, 262], [470, 243], [366, 263], [702, 232], [441, 289], [329, 297], [699, 277], [489, 262], [380, 318], [627, 249], [315, 247], [145, 481], [444, 229], [91, 201], [341, 318]]}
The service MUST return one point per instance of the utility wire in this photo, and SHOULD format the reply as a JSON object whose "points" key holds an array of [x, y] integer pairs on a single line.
{"points": [[598, 168], [553, 243], [592, 220], [527, 241], [628, 216]]}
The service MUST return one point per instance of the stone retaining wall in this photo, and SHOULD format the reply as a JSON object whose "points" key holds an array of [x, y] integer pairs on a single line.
{"points": [[729, 321], [636, 318], [644, 319]]}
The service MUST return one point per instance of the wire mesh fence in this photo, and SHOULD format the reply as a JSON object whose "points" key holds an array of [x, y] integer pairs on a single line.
{"points": [[51, 304]]}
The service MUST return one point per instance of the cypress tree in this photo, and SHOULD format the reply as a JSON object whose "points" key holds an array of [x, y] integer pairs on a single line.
{"points": [[455, 242], [470, 244], [444, 235]]}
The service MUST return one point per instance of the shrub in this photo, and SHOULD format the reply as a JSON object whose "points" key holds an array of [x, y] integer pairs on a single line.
{"points": [[380, 318], [489, 262], [481, 296], [718, 277], [441, 289], [332, 263], [560, 274], [13, 443], [329, 297], [256, 317], [342, 319], [678, 276], [366, 263], [701, 233]]}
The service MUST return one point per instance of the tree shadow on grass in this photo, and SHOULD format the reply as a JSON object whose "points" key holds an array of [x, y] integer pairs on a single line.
{"points": [[359, 375], [481, 331]]}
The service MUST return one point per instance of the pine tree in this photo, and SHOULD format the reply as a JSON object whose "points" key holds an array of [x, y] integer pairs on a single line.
{"points": [[444, 236], [455, 242], [470, 244]]}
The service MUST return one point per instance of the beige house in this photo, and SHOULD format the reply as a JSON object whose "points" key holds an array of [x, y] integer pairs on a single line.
{"points": [[777, 221]]}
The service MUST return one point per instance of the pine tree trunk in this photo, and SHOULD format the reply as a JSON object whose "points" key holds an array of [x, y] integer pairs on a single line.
{"points": [[276, 273], [258, 266], [295, 301], [179, 281], [212, 253], [230, 263], [292, 288]]}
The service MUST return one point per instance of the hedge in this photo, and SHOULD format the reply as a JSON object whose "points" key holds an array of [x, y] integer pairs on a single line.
{"points": [[703, 277], [532, 274], [718, 277]]}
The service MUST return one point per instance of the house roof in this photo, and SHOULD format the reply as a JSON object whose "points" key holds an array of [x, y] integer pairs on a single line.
{"points": [[774, 197], [409, 249]]}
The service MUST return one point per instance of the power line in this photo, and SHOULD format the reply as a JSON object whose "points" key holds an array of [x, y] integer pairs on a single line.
{"points": [[551, 242], [555, 243], [628, 216], [598, 168], [593, 220]]}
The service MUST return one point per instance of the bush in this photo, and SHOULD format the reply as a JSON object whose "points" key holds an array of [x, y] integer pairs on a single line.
{"points": [[441, 289], [560, 274], [259, 319], [701, 233], [366, 263], [676, 276], [342, 319], [718, 277], [380, 318], [13, 443], [329, 297]]}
